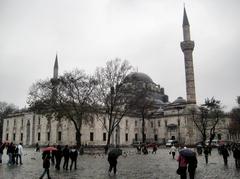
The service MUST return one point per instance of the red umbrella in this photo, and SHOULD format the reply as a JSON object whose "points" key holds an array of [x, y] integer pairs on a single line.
{"points": [[49, 149]]}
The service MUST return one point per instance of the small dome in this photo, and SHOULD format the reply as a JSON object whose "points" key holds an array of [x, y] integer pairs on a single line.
{"points": [[180, 100], [137, 76]]}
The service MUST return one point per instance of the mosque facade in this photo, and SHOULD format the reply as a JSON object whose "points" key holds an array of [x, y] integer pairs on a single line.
{"points": [[172, 121]]}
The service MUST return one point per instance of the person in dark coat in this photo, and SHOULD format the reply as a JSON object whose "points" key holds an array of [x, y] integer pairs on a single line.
{"points": [[206, 154], [53, 155], [10, 153], [154, 149], [66, 157], [192, 165], [106, 149], [144, 150], [225, 155], [37, 147], [58, 156], [73, 154], [45, 154], [112, 160], [236, 155], [46, 166], [15, 152], [2, 146], [139, 149]]}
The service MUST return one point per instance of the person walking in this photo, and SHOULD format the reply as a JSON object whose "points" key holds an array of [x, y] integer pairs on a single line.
{"points": [[10, 152], [19, 153], [46, 166], [236, 155], [37, 147], [182, 167], [206, 154], [225, 155], [73, 154], [58, 156], [173, 150], [2, 146], [66, 157], [144, 150], [112, 160], [154, 149], [192, 165]]}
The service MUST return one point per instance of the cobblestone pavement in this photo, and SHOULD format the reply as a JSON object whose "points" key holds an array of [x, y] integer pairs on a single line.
{"points": [[151, 166]]}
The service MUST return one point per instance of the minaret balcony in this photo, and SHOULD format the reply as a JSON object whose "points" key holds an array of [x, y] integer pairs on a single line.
{"points": [[187, 45]]}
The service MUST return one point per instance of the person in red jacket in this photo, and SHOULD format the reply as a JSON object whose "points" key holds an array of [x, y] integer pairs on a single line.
{"points": [[182, 167]]}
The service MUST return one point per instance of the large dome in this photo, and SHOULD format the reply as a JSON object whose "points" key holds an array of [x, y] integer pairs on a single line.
{"points": [[137, 76], [143, 84]]}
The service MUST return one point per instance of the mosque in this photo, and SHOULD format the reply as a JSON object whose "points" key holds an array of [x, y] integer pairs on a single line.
{"points": [[172, 122]]}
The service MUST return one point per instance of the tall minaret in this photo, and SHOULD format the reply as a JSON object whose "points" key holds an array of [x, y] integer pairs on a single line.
{"points": [[54, 80], [55, 68], [187, 47]]}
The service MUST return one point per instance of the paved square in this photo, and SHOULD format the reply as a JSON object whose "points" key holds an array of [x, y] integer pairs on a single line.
{"points": [[151, 166]]}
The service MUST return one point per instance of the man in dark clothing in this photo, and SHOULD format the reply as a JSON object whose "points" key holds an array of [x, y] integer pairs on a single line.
{"points": [[144, 150], [206, 152], [2, 146], [106, 149], [73, 156], [225, 155], [46, 166], [58, 156], [66, 157], [192, 165], [154, 149], [10, 152], [37, 147], [53, 155], [236, 155], [113, 164], [45, 154]]}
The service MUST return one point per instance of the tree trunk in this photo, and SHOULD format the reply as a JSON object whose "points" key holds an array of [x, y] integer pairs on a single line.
{"points": [[108, 139], [78, 138], [143, 127]]}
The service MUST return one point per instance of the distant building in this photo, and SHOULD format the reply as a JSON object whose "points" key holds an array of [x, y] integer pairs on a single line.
{"points": [[171, 122]]}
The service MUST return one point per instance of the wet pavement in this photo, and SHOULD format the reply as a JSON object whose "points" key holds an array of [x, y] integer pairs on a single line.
{"points": [[151, 166]]}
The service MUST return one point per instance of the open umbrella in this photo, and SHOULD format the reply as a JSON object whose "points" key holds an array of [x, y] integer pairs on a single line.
{"points": [[115, 153], [49, 149], [187, 153]]}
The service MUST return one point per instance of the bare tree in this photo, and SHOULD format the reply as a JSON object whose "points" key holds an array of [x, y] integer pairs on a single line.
{"points": [[69, 96], [5, 110], [143, 105], [111, 94], [234, 125], [207, 118]]}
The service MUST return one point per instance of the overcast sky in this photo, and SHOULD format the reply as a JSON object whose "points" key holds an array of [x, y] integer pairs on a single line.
{"points": [[147, 33]]}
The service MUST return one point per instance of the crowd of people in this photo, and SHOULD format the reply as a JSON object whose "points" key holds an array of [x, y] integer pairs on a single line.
{"points": [[54, 155], [190, 163], [14, 152]]}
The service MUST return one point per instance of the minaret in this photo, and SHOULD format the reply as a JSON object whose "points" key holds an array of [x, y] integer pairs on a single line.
{"points": [[55, 80], [187, 47], [55, 68]]}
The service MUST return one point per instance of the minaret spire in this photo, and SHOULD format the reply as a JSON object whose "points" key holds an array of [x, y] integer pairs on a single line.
{"points": [[55, 68], [187, 47], [185, 18]]}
